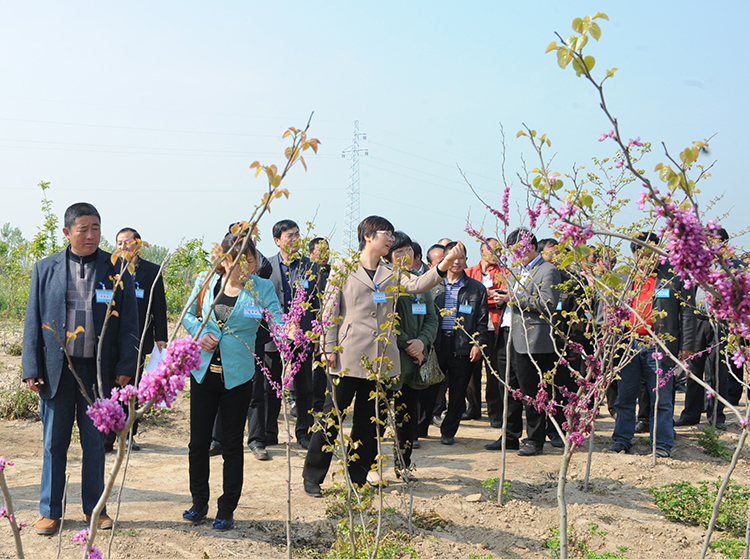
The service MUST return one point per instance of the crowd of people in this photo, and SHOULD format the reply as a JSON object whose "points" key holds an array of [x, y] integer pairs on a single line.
{"points": [[523, 316]]}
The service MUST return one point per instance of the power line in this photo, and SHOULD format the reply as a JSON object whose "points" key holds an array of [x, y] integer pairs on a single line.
{"points": [[143, 129]]}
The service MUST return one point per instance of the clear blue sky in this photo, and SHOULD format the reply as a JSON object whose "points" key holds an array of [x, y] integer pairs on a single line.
{"points": [[153, 111]]}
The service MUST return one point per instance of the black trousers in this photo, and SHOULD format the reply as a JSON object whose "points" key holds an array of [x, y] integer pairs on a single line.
{"points": [[705, 365], [264, 414], [527, 379], [474, 390], [206, 400], [318, 461], [406, 404]]}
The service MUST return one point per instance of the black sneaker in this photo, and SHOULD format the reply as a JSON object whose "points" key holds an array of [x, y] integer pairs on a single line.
{"points": [[312, 489], [619, 448]]}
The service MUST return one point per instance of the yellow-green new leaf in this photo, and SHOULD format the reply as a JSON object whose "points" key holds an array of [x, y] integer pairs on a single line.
{"points": [[590, 62], [552, 46], [596, 31], [520, 133], [601, 15], [563, 57], [576, 25]]}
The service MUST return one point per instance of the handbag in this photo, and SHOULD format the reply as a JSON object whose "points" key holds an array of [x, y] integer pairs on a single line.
{"points": [[429, 372]]}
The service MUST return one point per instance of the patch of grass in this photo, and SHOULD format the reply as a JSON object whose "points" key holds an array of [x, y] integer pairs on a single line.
{"points": [[130, 532], [491, 485], [393, 544], [476, 556], [15, 349], [336, 500], [708, 440], [156, 417], [428, 520], [731, 549], [579, 545], [20, 403], [693, 504]]}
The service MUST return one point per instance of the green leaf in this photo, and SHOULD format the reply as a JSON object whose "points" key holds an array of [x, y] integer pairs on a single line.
{"points": [[558, 184], [578, 67], [586, 26], [536, 181], [596, 31], [576, 25], [590, 61], [587, 200], [601, 15], [611, 72], [567, 261], [563, 57], [666, 173], [581, 42], [552, 46], [582, 251], [614, 281], [674, 182], [520, 133]]}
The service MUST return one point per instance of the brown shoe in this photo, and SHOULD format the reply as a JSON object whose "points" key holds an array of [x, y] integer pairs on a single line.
{"points": [[47, 526], [105, 522]]}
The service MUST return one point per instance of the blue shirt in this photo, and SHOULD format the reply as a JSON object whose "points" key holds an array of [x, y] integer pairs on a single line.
{"points": [[451, 301]]}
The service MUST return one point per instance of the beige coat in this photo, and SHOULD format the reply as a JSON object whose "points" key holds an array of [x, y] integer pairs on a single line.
{"points": [[362, 318]]}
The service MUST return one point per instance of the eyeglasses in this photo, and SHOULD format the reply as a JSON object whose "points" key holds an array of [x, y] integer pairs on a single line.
{"points": [[388, 234]]}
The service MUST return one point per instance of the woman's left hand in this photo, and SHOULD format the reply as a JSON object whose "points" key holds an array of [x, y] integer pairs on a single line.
{"points": [[414, 347]]}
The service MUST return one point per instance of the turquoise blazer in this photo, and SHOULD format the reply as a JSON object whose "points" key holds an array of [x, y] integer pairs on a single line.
{"points": [[237, 337]]}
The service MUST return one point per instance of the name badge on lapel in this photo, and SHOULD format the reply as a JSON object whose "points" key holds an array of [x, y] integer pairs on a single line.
{"points": [[662, 293], [138, 291], [251, 311], [378, 297], [418, 308], [464, 309], [103, 295]]}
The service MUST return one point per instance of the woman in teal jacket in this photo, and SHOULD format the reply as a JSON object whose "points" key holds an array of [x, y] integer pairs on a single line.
{"points": [[223, 382]]}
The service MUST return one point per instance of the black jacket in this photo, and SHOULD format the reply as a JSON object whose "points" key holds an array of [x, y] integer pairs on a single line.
{"points": [[146, 273], [472, 293]]}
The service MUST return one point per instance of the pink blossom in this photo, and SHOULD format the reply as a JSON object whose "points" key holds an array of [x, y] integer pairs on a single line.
{"points": [[576, 439], [618, 163], [605, 135], [81, 538], [642, 200], [4, 462], [107, 415], [162, 384], [635, 143]]}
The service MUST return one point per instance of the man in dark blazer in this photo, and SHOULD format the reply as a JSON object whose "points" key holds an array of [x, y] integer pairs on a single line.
{"points": [[153, 322], [663, 306], [534, 298], [70, 290], [289, 272]]}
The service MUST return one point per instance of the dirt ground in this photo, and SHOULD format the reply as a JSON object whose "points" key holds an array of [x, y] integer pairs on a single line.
{"points": [[449, 483]]}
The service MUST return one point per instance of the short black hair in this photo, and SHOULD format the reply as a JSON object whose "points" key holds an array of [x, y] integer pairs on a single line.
{"points": [[417, 248], [312, 244], [135, 233], [400, 240], [721, 234], [370, 226], [515, 236], [280, 227], [79, 209], [433, 247], [544, 243], [644, 237]]}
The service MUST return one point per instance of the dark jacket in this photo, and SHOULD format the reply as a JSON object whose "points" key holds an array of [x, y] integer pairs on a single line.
{"points": [[674, 311], [472, 293], [42, 354], [305, 271], [146, 274], [412, 326]]}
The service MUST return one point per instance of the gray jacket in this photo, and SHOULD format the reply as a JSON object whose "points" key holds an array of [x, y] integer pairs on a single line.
{"points": [[533, 305]]}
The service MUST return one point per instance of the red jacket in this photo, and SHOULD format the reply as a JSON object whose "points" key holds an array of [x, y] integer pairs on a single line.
{"points": [[498, 282]]}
